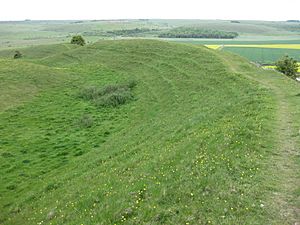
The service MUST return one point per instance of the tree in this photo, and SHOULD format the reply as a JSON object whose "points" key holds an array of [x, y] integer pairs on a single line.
{"points": [[78, 40], [17, 55], [287, 66]]}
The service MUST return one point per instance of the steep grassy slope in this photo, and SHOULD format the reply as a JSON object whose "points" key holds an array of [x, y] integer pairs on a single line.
{"points": [[192, 147]]}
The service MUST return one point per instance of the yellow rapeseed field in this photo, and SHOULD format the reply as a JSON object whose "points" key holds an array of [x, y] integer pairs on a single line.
{"points": [[213, 46], [273, 67]]}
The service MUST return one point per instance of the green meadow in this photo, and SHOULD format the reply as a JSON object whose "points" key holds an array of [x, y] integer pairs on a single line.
{"points": [[137, 129], [201, 138]]}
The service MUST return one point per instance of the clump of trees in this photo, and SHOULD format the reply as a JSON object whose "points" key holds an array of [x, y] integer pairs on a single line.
{"points": [[287, 66], [17, 55], [130, 32], [194, 32], [78, 40]]}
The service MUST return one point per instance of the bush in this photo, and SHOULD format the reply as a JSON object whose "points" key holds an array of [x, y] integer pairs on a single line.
{"points": [[17, 55], [78, 40], [110, 95], [90, 93], [114, 99], [287, 66]]}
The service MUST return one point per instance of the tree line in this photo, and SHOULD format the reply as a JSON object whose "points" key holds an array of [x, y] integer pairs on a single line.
{"points": [[191, 32], [130, 32]]}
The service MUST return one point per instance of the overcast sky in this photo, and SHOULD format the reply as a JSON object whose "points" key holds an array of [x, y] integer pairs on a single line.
{"points": [[147, 9]]}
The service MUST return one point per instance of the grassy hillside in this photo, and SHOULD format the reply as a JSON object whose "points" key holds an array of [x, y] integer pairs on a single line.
{"points": [[192, 146], [37, 52]]}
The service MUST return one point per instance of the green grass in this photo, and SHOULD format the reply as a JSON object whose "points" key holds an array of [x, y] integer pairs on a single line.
{"points": [[39, 51], [192, 147], [264, 55]]}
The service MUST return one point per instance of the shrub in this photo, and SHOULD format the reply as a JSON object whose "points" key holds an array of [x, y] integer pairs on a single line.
{"points": [[114, 99], [287, 66], [110, 95], [17, 55], [110, 89], [78, 40], [90, 93]]}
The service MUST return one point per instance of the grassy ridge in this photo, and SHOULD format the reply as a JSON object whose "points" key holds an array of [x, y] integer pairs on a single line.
{"points": [[191, 148], [38, 52]]}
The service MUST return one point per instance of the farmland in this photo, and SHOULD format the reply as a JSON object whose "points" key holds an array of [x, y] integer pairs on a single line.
{"points": [[127, 130], [280, 37], [19, 34], [273, 46], [263, 55]]}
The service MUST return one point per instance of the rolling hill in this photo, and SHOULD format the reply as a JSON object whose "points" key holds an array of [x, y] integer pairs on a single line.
{"points": [[201, 140]]}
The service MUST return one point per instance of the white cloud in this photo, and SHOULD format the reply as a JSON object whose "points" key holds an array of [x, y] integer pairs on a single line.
{"points": [[164, 9]]}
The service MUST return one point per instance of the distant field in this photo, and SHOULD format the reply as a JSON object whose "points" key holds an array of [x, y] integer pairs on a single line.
{"points": [[280, 46], [20, 34], [263, 55], [251, 41], [27, 33], [261, 51]]}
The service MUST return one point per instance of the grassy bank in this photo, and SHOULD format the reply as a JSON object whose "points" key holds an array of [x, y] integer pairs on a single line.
{"points": [[192, 146]]}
